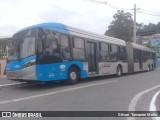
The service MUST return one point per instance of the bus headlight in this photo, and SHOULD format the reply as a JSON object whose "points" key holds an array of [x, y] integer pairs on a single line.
{"points": [[30, 63]]}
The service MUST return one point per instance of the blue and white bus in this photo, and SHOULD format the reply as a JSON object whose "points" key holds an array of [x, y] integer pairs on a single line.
{"points": [[54, 51]]}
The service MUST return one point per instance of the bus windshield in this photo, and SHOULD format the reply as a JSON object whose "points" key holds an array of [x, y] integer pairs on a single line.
{"points": [[21, 48]]}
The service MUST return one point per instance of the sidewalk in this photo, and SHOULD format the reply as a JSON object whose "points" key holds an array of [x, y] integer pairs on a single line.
{"points": [[4, 80]]}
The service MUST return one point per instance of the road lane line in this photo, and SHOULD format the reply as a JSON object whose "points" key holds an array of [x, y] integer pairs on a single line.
{"points": [[132, 104], [51, 93], [3, 102], [4, 85], [153, 106]]}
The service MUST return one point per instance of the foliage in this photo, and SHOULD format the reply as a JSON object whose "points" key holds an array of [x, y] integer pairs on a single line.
{"points": [[122, 26], [149, 29]]}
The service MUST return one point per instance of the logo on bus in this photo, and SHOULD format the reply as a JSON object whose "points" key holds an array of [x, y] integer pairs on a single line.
{"points": [[62, 67], [16, 66]]}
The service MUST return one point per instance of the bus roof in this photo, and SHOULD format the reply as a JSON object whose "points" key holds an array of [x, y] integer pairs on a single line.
{"points": [[94, 36], [6, 37], [82, 33], [51, 26], [142, 47], [75, 31]]}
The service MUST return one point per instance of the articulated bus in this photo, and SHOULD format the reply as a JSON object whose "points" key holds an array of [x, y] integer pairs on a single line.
{"points": [[57, 52]]}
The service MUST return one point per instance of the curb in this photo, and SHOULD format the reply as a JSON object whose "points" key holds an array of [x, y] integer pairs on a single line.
{"points": [[3, 77]]}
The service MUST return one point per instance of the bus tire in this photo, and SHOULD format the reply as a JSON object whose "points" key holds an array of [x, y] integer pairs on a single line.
{"points": [[119, 71], [149, 68], [152, 67], [73, 76]]}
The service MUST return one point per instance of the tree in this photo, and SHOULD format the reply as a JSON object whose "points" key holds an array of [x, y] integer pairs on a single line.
{"points": [[122, 26], [158, 28], [149, 29]]}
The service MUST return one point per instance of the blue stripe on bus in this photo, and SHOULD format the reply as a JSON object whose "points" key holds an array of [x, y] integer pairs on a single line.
{"points": [[18, 64], [58, 27], [58, 71]]}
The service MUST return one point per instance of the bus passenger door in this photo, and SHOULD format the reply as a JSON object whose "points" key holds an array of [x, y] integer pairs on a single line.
{"points": [[140, 61], [91, 55]]}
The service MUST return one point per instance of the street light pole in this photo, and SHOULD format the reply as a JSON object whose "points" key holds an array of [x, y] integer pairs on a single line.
{"points": [[134, 27], [134, 30]]}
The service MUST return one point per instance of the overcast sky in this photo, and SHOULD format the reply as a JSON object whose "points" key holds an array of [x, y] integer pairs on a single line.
{"points": [[17, 14]]}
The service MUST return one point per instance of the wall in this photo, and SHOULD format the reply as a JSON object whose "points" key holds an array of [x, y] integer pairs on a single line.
{"points": [[2, 68]]}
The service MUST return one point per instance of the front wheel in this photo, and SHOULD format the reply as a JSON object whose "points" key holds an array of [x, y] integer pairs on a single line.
{"points": [[119, 71], [73, 76]]}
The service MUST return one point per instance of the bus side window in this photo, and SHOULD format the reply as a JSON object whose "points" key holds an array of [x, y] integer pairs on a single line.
{"points": [[152, 56], [122, 53], [39, 46], [135, 55], [104, 51], [65, 49], [50, 51], [50, 43], [146, 55], [114, 52], [78, 49], [143, 56]]}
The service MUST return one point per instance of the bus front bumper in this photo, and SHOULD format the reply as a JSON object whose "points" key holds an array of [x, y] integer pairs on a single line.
{"points": [[28, 73]]}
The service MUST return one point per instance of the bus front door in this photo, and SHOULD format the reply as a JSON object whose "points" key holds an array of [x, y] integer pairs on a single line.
{"points": [[91, 55]]}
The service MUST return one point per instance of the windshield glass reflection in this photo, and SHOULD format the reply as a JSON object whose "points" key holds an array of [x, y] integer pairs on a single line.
{"points": [[21, 48]]}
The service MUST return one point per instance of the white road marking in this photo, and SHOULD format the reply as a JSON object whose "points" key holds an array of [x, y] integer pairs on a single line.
{"points": [[4, 85], [153, 106], [51, 93], [135, 99], [3, 102]]}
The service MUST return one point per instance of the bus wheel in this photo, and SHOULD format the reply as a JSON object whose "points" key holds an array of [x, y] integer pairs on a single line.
{"points": [[149, 68], [119, 71], [152, 67], [73, 76]]}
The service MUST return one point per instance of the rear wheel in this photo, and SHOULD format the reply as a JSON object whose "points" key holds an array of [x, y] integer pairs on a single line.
{"points": [[149, 68], [119, 71], [73, 76], [152, 67]]}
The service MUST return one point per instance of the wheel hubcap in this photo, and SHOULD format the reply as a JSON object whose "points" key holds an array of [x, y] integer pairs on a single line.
{"points": [[73, 76]]}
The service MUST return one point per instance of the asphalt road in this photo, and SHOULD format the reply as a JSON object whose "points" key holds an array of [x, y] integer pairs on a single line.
{"points": [[99, 94]]}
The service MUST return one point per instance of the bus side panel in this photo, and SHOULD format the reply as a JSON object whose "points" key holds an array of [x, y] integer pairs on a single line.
{"points": [[148, 62], [145, 65], [107, 68], [104, 68], [136, 66], [59, 71], [40, 72], [124, 66]]}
